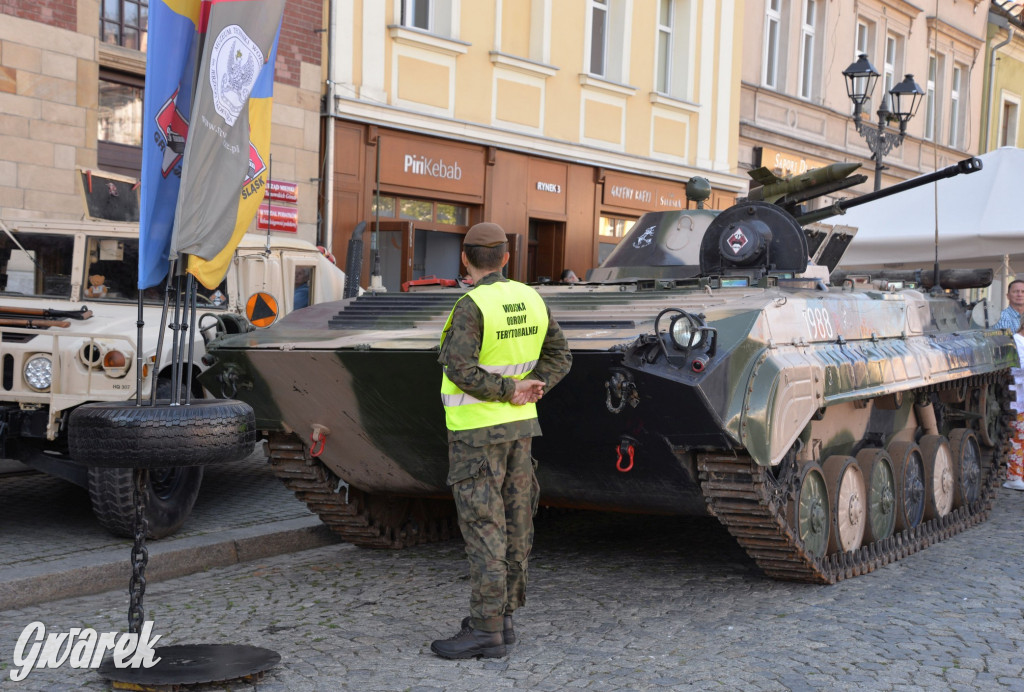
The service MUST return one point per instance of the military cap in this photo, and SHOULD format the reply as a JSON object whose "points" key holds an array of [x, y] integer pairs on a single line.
{"points": [[485, 234]]}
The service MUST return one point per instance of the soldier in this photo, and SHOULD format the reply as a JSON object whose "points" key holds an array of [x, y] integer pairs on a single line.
{"points": [[501, 351]]}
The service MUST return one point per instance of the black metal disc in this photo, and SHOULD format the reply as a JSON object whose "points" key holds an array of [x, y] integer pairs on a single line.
{"points": [[191, 664]]}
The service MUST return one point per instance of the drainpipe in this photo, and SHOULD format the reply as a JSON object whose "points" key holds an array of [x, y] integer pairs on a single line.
{"points": [[1001, 22], [327, 173]]}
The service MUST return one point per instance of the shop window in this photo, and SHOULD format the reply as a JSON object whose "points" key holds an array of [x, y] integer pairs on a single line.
{"points": [[613, 227], [386, 206], [421, 210], [123, 23], [415, 209]]}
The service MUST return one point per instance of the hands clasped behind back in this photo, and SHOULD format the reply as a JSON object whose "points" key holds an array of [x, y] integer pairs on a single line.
{"points": [[527, 392]]}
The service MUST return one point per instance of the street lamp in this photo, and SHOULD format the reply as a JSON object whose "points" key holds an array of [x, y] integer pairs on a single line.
{"points": [[899, 103]]}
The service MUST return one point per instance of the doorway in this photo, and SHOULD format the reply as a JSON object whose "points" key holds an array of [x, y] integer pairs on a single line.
{"points": [[545, 254]]}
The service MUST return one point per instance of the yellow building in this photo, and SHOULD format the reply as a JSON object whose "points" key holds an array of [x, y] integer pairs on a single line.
{"points": [[563, 121]]}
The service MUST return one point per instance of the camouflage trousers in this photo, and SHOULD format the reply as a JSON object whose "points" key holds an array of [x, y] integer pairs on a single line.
{"points": [[496, 494]]}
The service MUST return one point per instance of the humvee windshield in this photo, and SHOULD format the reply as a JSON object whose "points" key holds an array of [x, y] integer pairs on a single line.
{"points": [[42, 267]]}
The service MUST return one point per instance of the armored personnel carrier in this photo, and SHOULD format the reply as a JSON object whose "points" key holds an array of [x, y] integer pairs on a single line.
{"points": [[831, 428]]}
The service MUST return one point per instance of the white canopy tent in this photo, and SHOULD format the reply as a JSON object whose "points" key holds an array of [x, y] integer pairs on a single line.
{"points": [[979, 223]]}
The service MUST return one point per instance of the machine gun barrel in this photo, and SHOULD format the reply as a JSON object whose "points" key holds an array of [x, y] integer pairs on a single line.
{"points": [[971, 165]]}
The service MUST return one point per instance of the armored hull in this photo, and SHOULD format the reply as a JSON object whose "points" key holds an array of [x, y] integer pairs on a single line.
{"points": [[832, 429]]}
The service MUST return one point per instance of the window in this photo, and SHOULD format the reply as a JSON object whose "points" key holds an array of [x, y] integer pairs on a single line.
{"points": [[929, 100], [421, 210], [39, 264], [598, 36], [772, 48], [664, 65], [435, 16], [614, 227], [955, 114], [889, 66], [417, 14], [864, 33], [123, 23], [808, 29], [1008, 124], [119, 123]]}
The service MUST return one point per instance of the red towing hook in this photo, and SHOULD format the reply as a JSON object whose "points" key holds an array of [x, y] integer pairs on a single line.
{"points": [[625, 448]]}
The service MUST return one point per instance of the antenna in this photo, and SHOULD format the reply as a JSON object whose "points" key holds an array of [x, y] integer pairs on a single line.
{"points": [[270, 173]]}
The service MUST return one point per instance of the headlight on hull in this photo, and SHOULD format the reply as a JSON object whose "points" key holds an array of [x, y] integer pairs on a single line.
{"points": [[685, 332], [38, 372]]}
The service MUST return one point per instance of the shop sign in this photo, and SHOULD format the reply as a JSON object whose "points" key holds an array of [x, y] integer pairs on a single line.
{"points": [[647, 195], [431, 165], [547, 185], [786, 163], [279, 218], [283, 191]]}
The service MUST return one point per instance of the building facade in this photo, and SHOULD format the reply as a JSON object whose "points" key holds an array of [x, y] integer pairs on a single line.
{"points": [[562, 121], [1004, 77], [795, 110], [71, 89]]}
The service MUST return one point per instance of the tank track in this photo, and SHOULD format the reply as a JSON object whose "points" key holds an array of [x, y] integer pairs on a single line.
{"points": [[744, 497], [361, 518]]}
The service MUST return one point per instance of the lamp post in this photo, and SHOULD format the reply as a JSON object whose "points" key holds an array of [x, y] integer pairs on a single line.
{"points": [[898, 104]]}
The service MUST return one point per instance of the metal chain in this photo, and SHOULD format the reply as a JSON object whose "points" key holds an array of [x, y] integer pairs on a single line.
{"points": [[140, 553]]}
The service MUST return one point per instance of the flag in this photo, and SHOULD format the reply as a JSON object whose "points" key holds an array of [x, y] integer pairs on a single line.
{"points": [[170, 70], [225, 171]]}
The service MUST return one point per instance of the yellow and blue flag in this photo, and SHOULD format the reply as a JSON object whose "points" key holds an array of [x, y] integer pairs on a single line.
{"points": [[170, 72], [225, 173]]}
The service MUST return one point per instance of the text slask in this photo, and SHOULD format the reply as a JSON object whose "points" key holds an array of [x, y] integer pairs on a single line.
{"points": [[283, 219], [645, 197], [81, 648], [421, 165]]}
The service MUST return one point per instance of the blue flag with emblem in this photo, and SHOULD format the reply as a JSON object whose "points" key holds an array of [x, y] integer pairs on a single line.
{"points": [[170, 77]]}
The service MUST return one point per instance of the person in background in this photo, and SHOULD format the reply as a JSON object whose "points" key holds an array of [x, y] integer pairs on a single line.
{"points": [[301, 299], [1011, 319], [501, 351], [569, 277]]}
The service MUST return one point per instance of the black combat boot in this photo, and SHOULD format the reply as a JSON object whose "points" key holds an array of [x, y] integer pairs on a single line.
{"points": [[469, 643], [508, 635]]}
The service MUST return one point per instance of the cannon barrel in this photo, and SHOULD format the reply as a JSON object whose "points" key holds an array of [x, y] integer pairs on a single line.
{"points": [[970, 165]]}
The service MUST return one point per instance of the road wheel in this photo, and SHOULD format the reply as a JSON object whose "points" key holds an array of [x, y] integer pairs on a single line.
{"points": [[172, 493], [844, 483], [123, 435], [810, 511], [938, 474]]}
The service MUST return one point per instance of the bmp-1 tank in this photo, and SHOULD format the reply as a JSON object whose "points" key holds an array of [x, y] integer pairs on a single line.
{"points": [[831, 428]]}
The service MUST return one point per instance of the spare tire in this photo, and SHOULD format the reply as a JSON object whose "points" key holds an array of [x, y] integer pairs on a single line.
{"points": [[122, 435]]}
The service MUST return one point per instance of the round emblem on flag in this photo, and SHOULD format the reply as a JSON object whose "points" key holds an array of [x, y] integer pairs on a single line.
{"points": [[261, 309], [235, 63]]}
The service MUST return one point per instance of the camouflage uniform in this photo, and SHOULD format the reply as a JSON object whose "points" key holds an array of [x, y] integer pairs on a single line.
{"points": [[491, 471]]}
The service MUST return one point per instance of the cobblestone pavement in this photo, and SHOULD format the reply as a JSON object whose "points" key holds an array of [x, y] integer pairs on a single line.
{"points": [[615, 602], [50, 537]]}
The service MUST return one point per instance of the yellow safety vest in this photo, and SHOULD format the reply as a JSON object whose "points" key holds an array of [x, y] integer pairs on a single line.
{"points": [[515, 324]]}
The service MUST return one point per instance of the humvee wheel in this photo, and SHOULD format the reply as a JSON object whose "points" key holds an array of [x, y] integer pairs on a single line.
{"points": [[172, 494], [845, 484], [908, 468], [938, 474], [880, 492], [967, 466], [811, 512]]}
